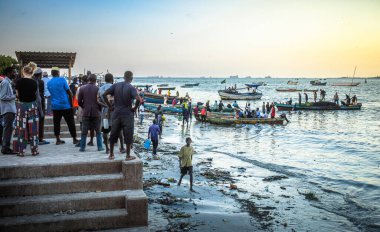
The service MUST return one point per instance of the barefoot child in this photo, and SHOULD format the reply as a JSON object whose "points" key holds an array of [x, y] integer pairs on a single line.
{"points": [[185, 161]]}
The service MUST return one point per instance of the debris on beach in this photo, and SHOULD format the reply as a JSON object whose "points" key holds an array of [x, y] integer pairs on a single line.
{"points": [[154, 181], [274, 178], [217, 174], [233, 186], [309, 196], [262, 213]]}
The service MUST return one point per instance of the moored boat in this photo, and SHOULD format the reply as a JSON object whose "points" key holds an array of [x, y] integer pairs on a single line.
{"points": [[166, 88], [195, 84], [288, 90], [316, 106], [186, 86], [166, 109], [162, 85], [310, 90], [159, 99], [234, 121], [235, 95], [292, 82], [318, 83], [346, 84]]}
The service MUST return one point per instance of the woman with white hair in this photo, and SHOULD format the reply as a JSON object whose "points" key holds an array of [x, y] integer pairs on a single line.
{"points": [[27, 112]]}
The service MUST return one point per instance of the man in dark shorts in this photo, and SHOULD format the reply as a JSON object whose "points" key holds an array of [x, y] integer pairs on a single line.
{"points": [[186, 162], [123, 112]]}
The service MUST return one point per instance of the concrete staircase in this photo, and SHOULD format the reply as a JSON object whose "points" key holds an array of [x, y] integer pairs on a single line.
{"points": [[49, 128], [97, 195]]}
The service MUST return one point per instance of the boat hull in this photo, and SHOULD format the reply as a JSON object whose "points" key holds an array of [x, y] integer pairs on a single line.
{"points": [[288, 90], [346, 84], [287, 107], [233, 121], [165, 109], [239, 96]]}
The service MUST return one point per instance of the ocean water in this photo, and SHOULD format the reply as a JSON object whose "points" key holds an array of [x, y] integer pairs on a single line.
{"points": [[336, 153]]}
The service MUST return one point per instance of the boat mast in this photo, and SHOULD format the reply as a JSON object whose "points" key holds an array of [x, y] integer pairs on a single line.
{"points": [[352, 81]]}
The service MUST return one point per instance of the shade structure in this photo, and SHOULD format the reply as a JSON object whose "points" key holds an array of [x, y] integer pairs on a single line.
{"points": [[48, 59]]}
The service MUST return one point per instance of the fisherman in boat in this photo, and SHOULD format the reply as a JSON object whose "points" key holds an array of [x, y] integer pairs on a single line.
{"points": [[354, 100], [215, 106], [221, 106], [273, 111], [290, 101], [208, 106], [306, 98], [235, 105], [323, 95], [268, 108], [258, 114], [315, 96], [348, 100], [229, 106], [336, 98], [174, 102], [299, 98], [263, 107]]}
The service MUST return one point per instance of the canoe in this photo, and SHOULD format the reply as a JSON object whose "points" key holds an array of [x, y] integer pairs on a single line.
{"points": [[346, 84], [292, 82], [166, 109], [196, 84], [225, 95], [288, 90], [318, 83], [316, 106], [162, 85], [233, 121], [166, 88], [159, 99], [310, 90], [186, 86]]}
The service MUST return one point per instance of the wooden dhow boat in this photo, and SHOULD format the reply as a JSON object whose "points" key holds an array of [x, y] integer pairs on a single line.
{"points": [[316, 106], [228, 121]]}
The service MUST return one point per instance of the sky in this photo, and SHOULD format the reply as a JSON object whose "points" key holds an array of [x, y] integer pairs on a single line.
{"points": [[219, 38]]}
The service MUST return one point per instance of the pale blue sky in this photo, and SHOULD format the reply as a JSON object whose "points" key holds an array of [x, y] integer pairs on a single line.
{"points": [[201, 37]]}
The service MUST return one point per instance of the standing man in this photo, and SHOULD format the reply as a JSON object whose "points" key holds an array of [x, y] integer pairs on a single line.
{"points": [[153, 132], [315, 96], [306, 98], [185, 116], [61, 100], [124, 94], [87, 99], [41, 105], [186, 162], [7, 108], [46, 80], [336, 98], [221, 106], [263, 107], [299, 98]]}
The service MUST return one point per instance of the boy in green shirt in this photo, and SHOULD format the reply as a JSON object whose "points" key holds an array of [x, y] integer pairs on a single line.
{"points": [[185, 161]]}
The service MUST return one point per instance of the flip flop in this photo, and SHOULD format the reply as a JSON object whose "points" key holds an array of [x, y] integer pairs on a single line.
{"points": [[43, 142], [111, 157], [59, 142], [130, 158]]}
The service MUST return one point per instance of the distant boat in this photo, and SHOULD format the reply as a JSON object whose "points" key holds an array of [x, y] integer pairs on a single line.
{"points": [[162, 85], [229, 120], [268, 77], [234, 77], [195, 84], [310, 90], [346, 84], [186, 86], [292, 82], [166, 88], [318, 83], [248, 77], [259, 83], [288, 90]]}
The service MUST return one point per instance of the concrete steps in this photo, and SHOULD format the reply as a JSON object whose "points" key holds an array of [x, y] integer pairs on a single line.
{"points": [[49, 128], [65, 184], [89, 220], [73, 196]]}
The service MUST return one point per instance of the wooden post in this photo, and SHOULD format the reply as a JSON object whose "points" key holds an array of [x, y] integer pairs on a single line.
{"points": [[70, 71]]}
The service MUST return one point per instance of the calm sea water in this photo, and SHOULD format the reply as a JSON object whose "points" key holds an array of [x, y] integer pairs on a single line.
{"points": [[335, 152]]}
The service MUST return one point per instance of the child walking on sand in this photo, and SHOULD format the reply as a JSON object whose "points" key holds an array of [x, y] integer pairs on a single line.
{"points": [[185, 161]]}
